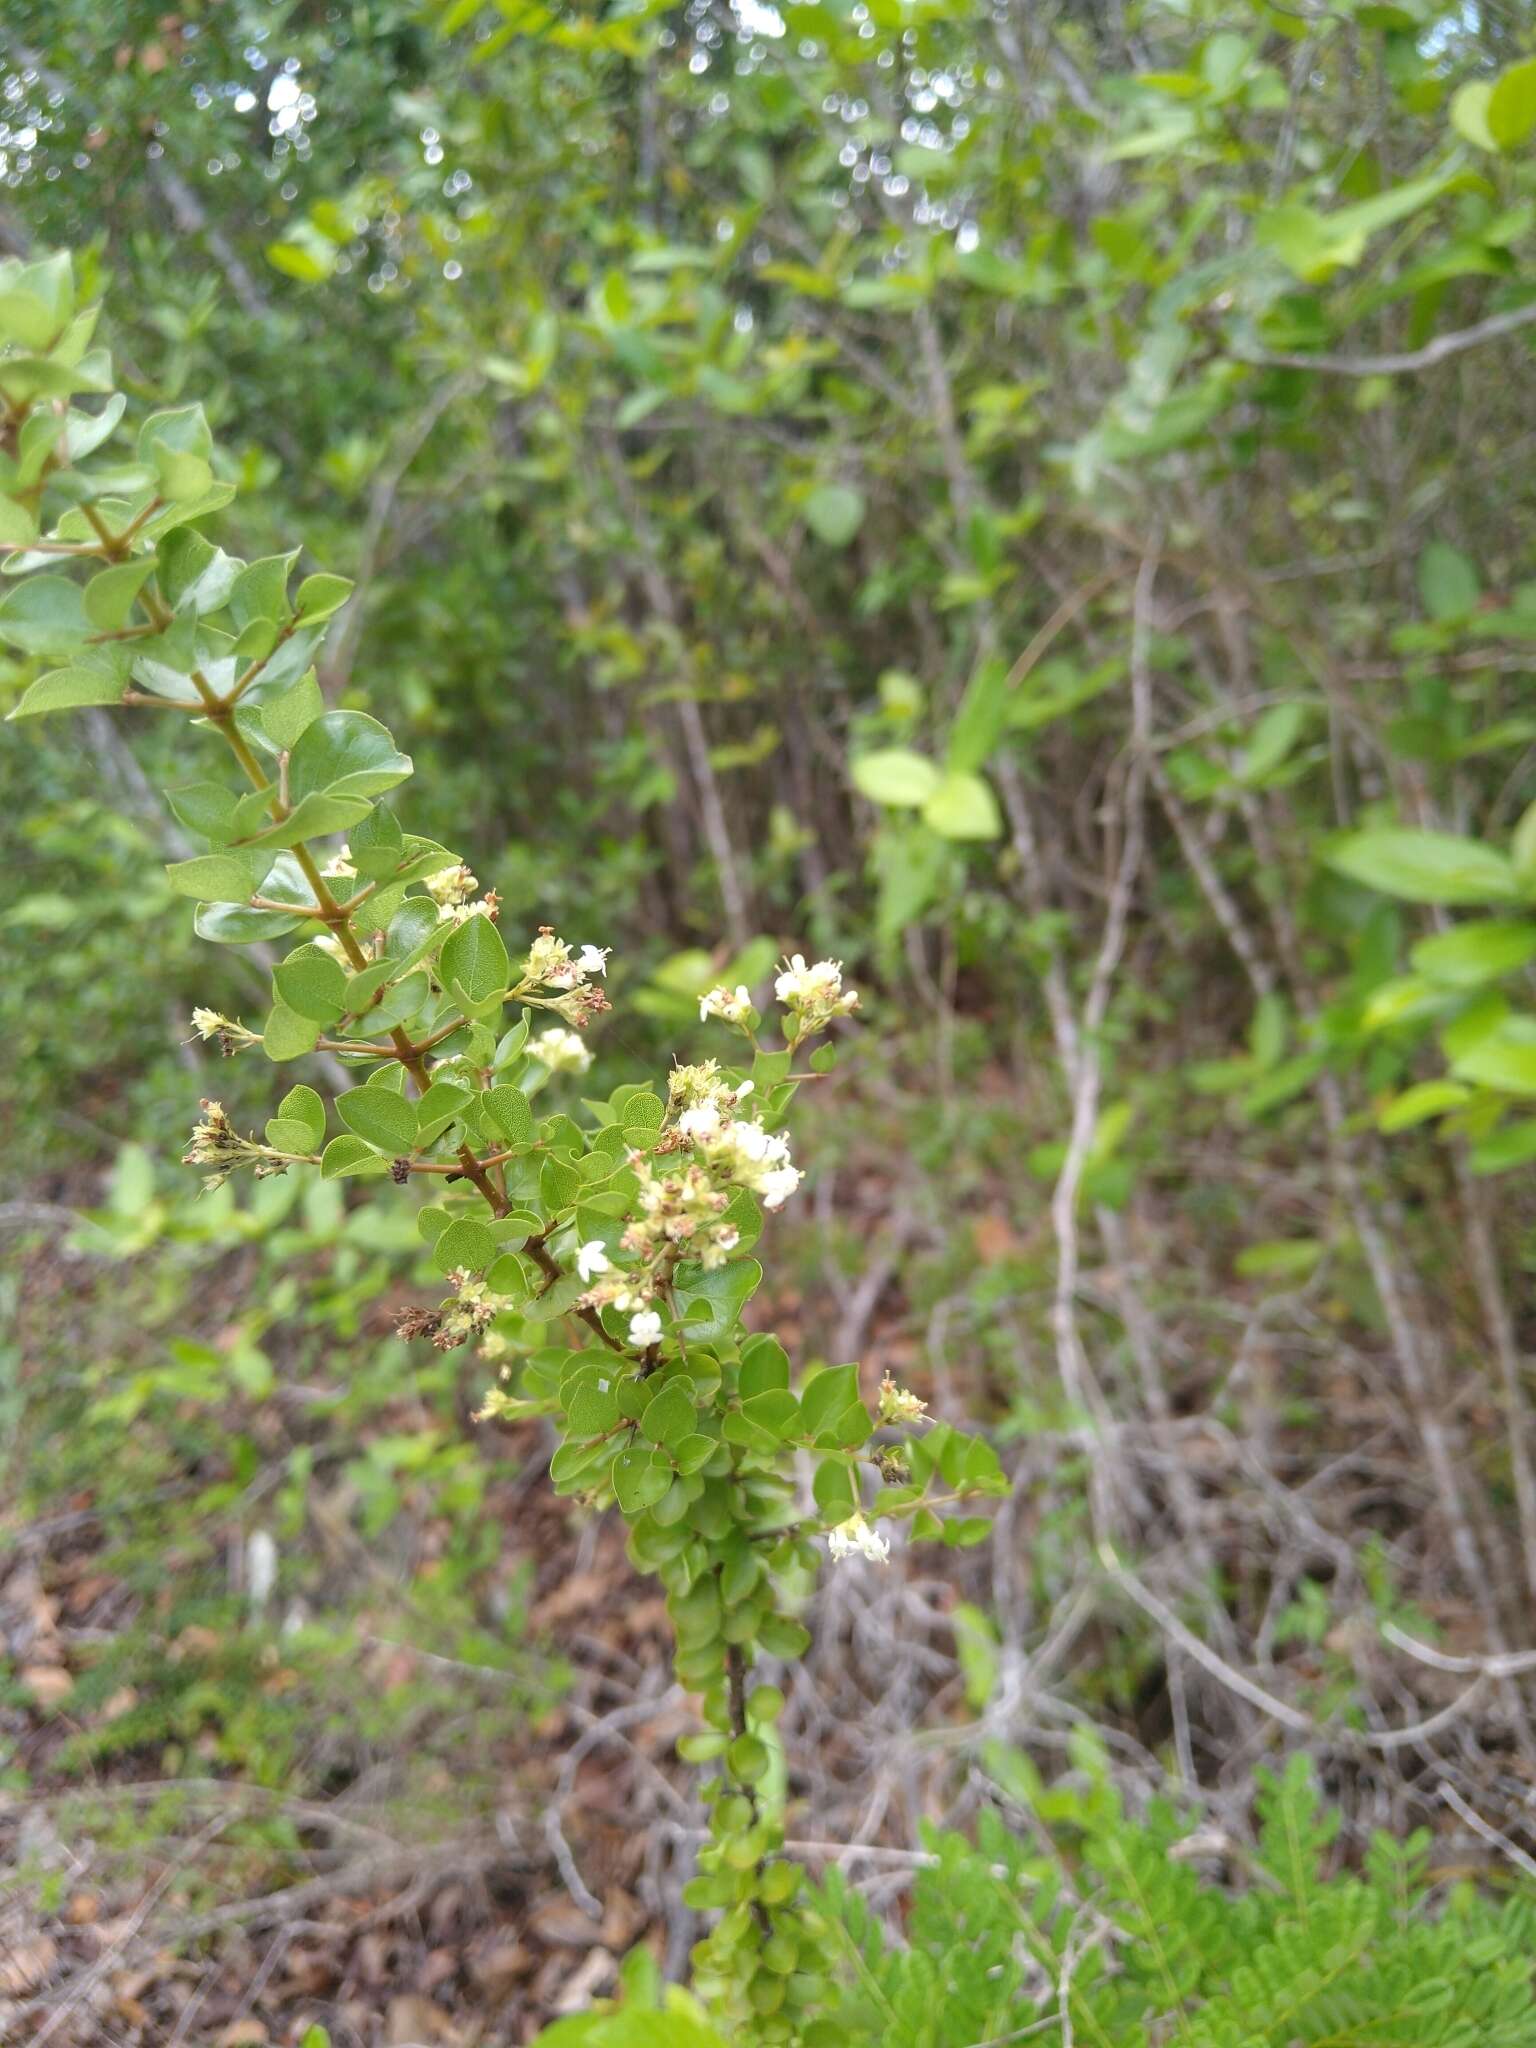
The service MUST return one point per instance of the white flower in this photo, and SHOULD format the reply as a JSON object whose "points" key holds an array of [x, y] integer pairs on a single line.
{"points": [[855, 1535], [778, 1184], [645, 1329], [750, 1142], [815, 994], [794, 983], [744, 1090], [701, 1122], [734, 1006], [591, 1259], [339, 864], [562, 1051], [549, 962], [207, 1023], [593, 960], [752, 1158]]}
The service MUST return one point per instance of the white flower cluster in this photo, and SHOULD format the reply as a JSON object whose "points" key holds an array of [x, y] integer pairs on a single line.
{"points": [[732, 1006], [855, 1538], [813, 995], [702, 1109], [551, 964], [562, 1051], [340, 867], [453, 891], [681, 1203]]}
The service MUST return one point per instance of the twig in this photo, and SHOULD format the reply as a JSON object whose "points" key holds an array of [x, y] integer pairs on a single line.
{"points": [[1228, 1675], [1433, 1724], [1423, 358], [1509, 1664], [1072, 1362], [1486, 1830]]}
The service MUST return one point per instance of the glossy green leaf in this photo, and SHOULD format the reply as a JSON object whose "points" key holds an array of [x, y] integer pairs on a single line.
{"points": [[1415, 1105], [286, 1035], [1448, 585], [640, 1478], [1501, 1061], [285, 718], [346, 754], [66, 689], [303, 1106], [508, 1109], [216, 877], [348, 1155], [669, 1416], [110, 594], [260, 589], [320, 596], [826, 1395]]}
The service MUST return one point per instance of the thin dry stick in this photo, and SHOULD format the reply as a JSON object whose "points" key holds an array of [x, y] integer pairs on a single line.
{"points": [[1142, 1336], [1424, 358], [1509, 1664], [1433, 1724], [1228, 1675], [1072, 1361], [1486, 1831], [1212, 887], [658, 592], [963, 490]]}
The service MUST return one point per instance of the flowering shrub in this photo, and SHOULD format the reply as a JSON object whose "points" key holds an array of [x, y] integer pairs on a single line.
{"points": [[601, 1263]]}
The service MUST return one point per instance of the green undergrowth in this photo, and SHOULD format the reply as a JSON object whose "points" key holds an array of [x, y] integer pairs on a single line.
{"points": [[205, 1380], [1093, 1927]]}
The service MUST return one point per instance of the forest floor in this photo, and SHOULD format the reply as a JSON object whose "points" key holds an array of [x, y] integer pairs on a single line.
{"points": [[386, 1926]]}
